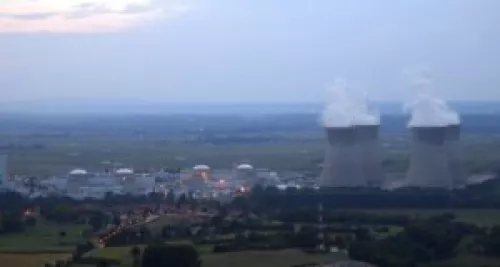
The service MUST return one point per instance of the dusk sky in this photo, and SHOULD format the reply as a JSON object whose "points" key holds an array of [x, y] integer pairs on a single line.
{"points": [[245, 50]]}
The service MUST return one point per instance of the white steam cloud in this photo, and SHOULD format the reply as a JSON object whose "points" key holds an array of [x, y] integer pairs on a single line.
{"points": [[428, 110], [345, 110]]}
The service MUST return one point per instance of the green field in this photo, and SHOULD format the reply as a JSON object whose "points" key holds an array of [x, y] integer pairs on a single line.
{"points": [[43, 238], [156, 225], [29, 260], [64, 155], [281, 258]]}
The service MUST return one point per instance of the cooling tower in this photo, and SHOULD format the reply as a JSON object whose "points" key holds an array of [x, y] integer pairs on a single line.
{"points": [[4, 174], [341, 165], [453, 150], [368, 147], [429, 158]]}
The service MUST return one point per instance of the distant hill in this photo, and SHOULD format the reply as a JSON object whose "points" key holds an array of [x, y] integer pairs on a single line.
{"points": [[145, 107]]}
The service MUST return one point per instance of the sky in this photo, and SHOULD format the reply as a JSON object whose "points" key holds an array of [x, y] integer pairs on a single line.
{"points": [[245, 50]]}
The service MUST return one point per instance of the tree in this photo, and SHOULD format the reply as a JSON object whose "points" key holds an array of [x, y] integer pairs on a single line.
{"points": [[96, 221], [30, 221], [116, 219], [135, 252], [165, 232], [181, 201], [340, 242], [171, 255], [170, 198], [145, 233], [62, 235]]}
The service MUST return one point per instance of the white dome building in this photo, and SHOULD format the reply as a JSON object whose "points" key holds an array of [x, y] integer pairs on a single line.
{"points": [[78, 172], [200, 177], [201, 168], [124, 171], [243, 167], [246, 174]]}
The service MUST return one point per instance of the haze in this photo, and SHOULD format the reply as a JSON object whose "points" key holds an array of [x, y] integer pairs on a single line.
{"points": [[244, 51]]}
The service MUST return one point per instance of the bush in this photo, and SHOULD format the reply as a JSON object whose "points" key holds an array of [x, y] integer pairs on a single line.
{"points": [[224, 248], [178, 255], [96, 261]]}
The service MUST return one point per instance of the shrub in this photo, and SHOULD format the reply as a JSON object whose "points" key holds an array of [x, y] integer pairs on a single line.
{"points": [[178, 255]]}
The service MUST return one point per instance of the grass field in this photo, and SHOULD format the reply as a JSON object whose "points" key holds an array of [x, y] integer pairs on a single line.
{"points": [[156, 225], [281, 258], [484, 217], [44, 237], [63, 155], [28, 260]]}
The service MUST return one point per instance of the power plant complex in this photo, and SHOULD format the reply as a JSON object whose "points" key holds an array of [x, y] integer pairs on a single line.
{"points": [[352, 157]]}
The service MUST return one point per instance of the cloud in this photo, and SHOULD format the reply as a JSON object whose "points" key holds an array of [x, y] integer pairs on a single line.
{"points": [[82, 16]]}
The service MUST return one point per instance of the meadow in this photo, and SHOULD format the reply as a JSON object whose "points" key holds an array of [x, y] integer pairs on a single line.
{"points": [[45, 146], [43, 238], [29, 260], [279, 258], [39, 245]]}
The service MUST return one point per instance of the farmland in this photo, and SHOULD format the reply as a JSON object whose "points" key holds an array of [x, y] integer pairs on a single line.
{"points": [[44, 237], [29, 259], [281, 258]]}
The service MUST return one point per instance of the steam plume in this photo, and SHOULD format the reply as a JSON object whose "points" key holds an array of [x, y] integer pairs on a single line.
{"points": [[427, 110], [345, 110]]}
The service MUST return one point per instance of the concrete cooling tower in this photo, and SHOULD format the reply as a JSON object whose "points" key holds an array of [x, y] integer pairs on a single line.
{"points": [[429, 165], [3, 171], [455, 161], [368, 149], [341, 167]]}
